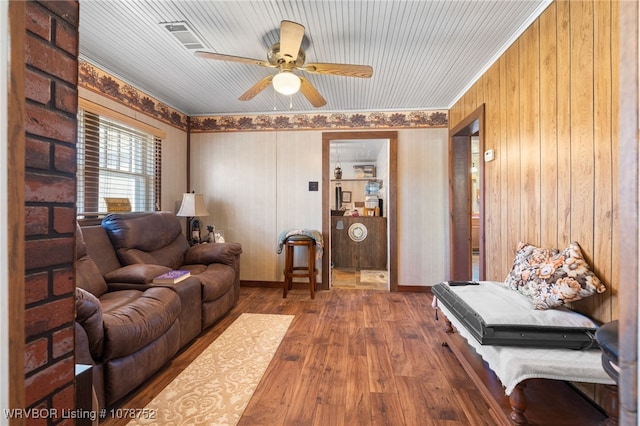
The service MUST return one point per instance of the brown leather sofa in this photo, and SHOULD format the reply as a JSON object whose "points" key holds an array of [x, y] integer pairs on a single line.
{"points": [[156, 238], [126, 326]]}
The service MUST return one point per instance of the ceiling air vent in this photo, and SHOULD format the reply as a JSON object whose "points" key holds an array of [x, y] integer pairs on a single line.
{"points": [[184, 34]]}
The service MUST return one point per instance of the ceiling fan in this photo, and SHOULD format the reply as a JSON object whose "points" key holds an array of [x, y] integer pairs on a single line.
{"points": [[288, 55]]}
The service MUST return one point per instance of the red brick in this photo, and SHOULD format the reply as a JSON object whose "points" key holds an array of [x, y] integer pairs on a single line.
{"points": [[45, 382], [67, 10], [44, 253], [64, 219], [36, 220], [66, 98], [37, 87], [40, 319], [65, 399], [63, 281], [38, 421], [38, 21], [66, 38], [63, 342], [36, 354], [47, 58], [51, 124], [51, 73], [36, 287], [42, 188], [37, 153], [64, 158]]}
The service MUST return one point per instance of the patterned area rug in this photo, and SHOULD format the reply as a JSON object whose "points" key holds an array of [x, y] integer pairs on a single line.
{"points": [[369, 276], [216, 387]]}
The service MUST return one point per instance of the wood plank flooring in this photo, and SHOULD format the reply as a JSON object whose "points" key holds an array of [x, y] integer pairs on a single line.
{"points": [[350, 357], [350, 278]]}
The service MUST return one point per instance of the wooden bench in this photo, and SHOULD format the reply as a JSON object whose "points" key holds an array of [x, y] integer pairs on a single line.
{"points": [[549, 398]]}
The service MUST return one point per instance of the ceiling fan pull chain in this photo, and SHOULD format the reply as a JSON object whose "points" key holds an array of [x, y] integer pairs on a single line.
{"points": [[291, 102]]}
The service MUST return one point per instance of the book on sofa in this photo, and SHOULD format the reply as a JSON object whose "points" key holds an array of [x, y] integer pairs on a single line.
{"points": [[172, 277]]}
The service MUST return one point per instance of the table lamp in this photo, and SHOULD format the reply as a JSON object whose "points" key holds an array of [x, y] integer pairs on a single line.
{"points": [[193, 206]]}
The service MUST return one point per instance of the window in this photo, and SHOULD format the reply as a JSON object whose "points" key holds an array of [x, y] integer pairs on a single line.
{"points": [[115, 160]]}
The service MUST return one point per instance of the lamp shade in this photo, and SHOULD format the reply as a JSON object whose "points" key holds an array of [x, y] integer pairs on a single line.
{"points": [[286, 83], [192, 205]]}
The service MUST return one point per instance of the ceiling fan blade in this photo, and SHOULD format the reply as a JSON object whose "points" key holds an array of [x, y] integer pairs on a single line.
{"points": [[291, 34], [256, 88], [230, 58], [348, 70], [311, 93]]}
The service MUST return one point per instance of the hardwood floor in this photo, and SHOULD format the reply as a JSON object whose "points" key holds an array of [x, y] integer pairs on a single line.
{"points": [[350, 357], [350, 278]]}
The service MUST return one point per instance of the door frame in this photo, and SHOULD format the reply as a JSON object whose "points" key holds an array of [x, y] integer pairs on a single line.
{"points": [[15, 223], [628, 225], [392, 202], [460, 195]]}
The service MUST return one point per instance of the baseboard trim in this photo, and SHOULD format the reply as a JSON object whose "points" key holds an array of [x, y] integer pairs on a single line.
{"points": [[263, 284], [414, 289], [279, 284]]}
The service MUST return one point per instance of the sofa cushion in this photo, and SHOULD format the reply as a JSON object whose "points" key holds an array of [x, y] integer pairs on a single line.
{"points": [[100, 249], [88, 276], [124, 374], [133, 319], [154, 238], [136, 274]]}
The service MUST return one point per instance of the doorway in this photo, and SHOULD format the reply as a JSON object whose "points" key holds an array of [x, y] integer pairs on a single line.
{"points": [[466, 195], [329, 138]]}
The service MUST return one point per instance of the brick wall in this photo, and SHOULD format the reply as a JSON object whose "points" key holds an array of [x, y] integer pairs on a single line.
{"points": [[51, 74]]}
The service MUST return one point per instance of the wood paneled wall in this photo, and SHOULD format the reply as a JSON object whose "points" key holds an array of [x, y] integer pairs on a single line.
{"points": [[551, 115]]}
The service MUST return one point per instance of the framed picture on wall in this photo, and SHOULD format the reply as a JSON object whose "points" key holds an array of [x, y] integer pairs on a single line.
{"points": [[346, 196]]}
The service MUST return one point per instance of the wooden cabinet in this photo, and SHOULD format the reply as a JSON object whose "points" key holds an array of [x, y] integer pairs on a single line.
{"points": [[370, 253]]}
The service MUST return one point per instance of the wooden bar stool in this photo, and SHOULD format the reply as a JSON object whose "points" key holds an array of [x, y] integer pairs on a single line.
{"points": [[291, 271]]}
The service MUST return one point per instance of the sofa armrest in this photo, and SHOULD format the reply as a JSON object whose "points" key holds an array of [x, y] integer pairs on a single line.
{"points": [[205, 254], [89, 316], [82, 352], [135, 274]]}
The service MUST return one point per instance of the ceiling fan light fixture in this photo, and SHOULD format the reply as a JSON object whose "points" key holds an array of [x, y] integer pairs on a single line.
{"points": [[286, 83]]}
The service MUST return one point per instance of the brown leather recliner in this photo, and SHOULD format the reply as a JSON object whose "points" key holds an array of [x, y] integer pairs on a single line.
{"points": [[127, 335], [156, 239]]}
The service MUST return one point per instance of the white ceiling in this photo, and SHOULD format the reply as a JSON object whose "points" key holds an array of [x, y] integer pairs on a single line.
{"points": [[424, 54], [355, 150]]}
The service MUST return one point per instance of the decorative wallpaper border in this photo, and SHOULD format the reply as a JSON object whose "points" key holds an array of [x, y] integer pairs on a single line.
{"points": [[320, 121], [94, 79]]}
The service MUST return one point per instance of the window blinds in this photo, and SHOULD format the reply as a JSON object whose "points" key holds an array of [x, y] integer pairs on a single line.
{"points": [[115, 161]]}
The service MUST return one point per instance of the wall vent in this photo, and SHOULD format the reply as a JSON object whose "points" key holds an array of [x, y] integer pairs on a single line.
{"points": [[184, 34]]}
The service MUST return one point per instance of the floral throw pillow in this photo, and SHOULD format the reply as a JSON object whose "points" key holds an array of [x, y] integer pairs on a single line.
{"points": [[526, 259], [551, 278], [565, 277]]}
